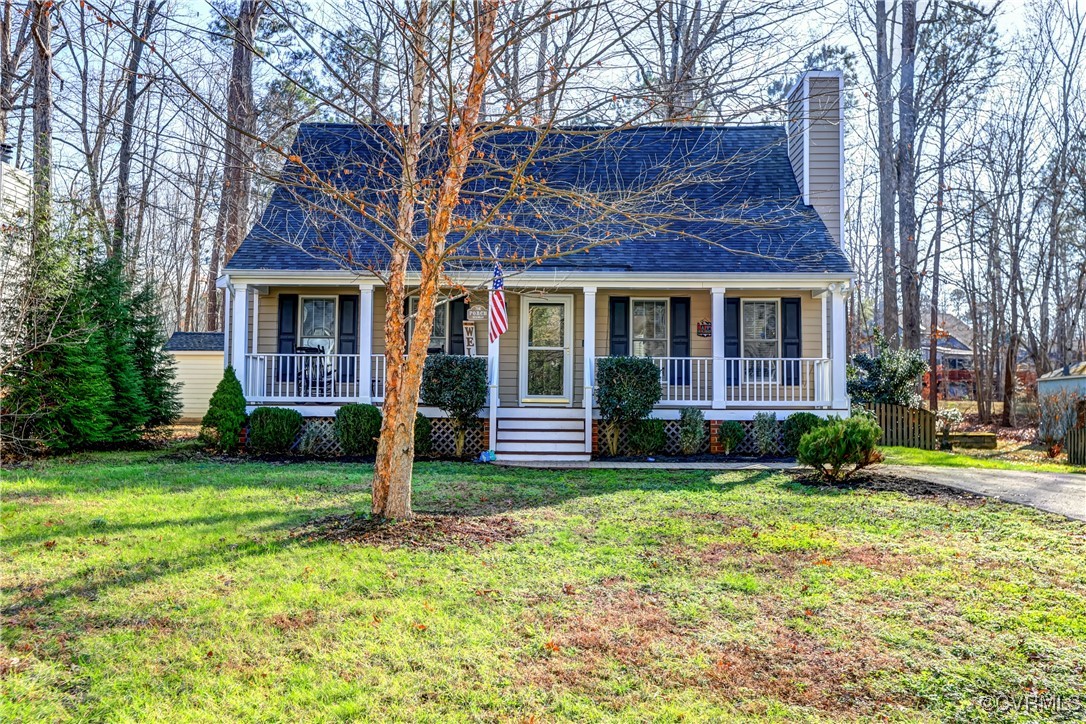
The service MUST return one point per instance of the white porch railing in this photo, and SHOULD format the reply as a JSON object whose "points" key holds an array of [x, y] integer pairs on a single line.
{"points": [[776, 382], [685, 379], [378, 370], [773, 382], [304, 378]]}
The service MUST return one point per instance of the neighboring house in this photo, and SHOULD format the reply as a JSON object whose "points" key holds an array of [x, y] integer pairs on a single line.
{"points": [[199, 360], [1068, 378], [753, 322], [954, 358]]}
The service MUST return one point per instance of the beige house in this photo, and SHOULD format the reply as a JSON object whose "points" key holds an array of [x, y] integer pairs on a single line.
{"points": [[738, 318], [198, 357]]}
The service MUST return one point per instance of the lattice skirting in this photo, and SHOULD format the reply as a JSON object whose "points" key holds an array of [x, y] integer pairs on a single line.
{"points": [[748, 447], [318, 438]]}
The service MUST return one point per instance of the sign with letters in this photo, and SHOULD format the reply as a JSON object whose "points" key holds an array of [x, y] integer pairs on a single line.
{"points": [[477, 313], [469, 339], [705, 328]]}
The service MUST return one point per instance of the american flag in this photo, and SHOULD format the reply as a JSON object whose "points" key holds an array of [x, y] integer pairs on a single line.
{"points": [[498, 322]]}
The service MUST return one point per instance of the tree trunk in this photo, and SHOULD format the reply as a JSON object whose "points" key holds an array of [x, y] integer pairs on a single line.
{"points": [[906, 189], [395, 447], [887, 173], [937, 251], [13, 43], [42, 72], [237, 172], [131, 97]]}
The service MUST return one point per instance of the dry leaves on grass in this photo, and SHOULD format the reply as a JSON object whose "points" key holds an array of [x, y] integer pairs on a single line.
{"points": [[423, 532]]}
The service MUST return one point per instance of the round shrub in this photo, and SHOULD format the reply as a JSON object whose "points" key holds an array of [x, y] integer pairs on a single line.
{"points": [[796, 426], [628, 389], [839, 448], [647, 437], [225, 417], [357, 427], [423, 428], [730, 434], [691, 430], [273, 430], [457, 384]]}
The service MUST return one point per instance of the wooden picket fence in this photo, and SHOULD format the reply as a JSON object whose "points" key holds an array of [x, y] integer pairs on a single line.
{"points": [[905, 426], [1076, 446]]}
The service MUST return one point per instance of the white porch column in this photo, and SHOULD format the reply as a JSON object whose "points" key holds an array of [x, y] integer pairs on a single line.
{"points": [[227, 312], [589, 362], [365, 344], [256, 318], [493, 354], [240, 332], [838, 348], [719, 381]]}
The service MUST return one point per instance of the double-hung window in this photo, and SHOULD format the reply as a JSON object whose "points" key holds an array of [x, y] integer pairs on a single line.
{"points": [[439, 335], [761, 339], [649, 327], [319, 324]]}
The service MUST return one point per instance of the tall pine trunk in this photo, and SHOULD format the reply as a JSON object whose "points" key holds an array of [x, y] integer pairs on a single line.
{"points": [[42, 73], [906, 187], [937, 241]]}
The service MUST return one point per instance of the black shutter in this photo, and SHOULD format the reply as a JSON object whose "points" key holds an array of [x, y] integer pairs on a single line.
{"points": [[458, 314], [620, 326], [407, 324], [679, 374], [287, 338], [348, 336], [791, 343], [731, 340]]}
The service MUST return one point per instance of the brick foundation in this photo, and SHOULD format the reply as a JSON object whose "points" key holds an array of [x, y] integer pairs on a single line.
{"points": [[595, 437], [715, 447]]}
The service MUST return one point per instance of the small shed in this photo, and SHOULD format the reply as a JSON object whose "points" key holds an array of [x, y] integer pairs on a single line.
{"points": [[1068, 377], [199, 359]]}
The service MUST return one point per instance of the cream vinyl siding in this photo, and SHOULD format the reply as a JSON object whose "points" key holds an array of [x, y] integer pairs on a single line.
{"points": [[198, 374]]}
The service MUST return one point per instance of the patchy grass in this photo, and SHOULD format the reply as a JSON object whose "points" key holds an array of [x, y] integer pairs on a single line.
{"points": [[986, 459], [137, 587]]}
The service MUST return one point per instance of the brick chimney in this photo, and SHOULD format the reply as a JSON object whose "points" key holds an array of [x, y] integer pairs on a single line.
{"points": [[816, 144]]}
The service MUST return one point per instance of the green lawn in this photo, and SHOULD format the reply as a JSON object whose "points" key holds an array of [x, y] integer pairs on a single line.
{"points": [[985, 459], [138, 588]]}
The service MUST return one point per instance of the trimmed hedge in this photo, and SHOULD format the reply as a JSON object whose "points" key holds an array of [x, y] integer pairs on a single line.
{"points": [[839, 448], [691, 430], [628, 389], [423, 430], [273, 430], [357, 427], [730, 434], [225, 417], [647, 437], [457, 384], [796, 426], [766, 432]]}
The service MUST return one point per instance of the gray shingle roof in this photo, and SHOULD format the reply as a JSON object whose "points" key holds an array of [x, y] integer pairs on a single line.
{"points": [[732, 205], [195, 342]]}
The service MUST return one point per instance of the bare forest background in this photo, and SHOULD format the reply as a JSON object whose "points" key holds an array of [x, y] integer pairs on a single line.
{"points": [[965, 138]]}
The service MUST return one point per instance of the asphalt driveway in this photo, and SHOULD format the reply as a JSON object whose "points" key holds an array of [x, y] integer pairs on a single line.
{"points": [[1061, 493]]}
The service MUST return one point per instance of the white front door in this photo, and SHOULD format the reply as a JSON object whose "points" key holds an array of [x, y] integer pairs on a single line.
{"points": [[546, 350]]}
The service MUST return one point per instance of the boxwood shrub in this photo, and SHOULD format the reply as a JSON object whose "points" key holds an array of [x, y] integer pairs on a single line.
{"points": [[273, 430], [647, 437], [796, 426], [730, 434], [691, 430], [357, 427], [627, 390]]}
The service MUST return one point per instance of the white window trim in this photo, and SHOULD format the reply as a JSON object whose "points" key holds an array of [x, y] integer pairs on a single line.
{"points": [[335, 319], [667, 321], [413, 301], [569, 363], [742, 325]]}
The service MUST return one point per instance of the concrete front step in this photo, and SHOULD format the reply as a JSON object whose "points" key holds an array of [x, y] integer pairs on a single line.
{"points": [[539, 424], [541, 435]]}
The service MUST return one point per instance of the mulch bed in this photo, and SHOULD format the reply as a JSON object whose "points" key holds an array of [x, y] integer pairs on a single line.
{"points": [[425, 532], [882, 481], [700, 458]]}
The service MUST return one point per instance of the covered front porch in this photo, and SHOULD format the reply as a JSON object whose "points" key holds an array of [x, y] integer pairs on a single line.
{"points": [[732, 350]]}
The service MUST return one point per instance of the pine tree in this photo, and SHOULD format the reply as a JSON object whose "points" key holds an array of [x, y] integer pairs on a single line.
{"points": [[128, 410], [156, 367], [225, 416]]}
